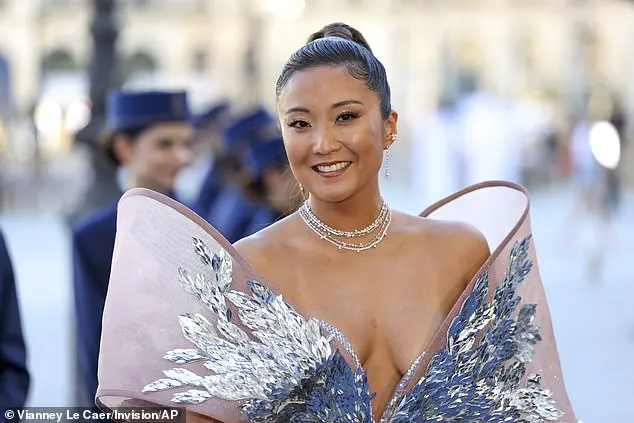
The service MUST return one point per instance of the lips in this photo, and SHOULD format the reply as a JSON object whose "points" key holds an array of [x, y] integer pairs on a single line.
{"points": [[332, 167]]}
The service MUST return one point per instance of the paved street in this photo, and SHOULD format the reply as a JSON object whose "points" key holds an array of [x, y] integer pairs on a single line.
{"points": [[593, 320]]}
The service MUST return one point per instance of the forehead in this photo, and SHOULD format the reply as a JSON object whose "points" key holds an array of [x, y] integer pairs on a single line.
{"points": [[324, 85], [168, 129]]}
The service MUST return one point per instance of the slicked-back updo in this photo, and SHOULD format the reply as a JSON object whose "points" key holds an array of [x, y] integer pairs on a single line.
{"points": [[341, 45]]}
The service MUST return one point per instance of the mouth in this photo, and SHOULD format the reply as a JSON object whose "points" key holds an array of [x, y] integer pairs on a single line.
{"points": [[332, 168]]}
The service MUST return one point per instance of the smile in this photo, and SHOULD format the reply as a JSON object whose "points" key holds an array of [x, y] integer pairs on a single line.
{"points": [[331, 167]]}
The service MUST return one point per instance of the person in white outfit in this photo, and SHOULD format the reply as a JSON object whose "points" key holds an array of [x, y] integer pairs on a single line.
{"points": [[435, 159], [489, 137]]}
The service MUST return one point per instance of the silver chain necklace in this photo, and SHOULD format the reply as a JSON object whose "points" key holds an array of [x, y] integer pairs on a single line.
{"points": [[347, 234], [380, 226]]}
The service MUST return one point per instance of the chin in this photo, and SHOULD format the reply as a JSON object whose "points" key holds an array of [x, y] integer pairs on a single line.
{"points": [[332, 195], [166, 186], [331, 191]]}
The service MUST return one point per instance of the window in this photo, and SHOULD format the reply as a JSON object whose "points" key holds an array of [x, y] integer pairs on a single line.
{"points": [[140, 63], [58, 60]]}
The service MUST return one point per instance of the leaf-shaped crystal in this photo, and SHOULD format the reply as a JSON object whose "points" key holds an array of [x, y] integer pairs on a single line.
{"points": [[183, 355], [222, 264], [193, 396], [202, 251], [219, 263], [197, 329], [184, 376], [161, 384]]}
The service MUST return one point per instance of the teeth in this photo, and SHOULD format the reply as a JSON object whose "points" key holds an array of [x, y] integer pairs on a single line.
{"points": [[334, 167]]}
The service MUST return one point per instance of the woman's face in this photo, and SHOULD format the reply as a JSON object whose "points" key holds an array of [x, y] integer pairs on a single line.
{"points": [[158, 154], [333, 132]]}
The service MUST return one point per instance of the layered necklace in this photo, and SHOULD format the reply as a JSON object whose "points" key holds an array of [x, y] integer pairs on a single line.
{"points": [[378, 228]]}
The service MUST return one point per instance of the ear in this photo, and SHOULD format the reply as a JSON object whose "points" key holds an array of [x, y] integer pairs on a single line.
{"points": [[123, 148], [390, 129]]}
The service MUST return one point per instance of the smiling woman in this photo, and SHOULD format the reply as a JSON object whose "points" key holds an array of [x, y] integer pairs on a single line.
{"points": [[334, 146], [347, 310]]}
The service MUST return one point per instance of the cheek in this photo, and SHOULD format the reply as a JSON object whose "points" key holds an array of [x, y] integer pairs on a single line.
{"points": [[153, 158], [368, 145]]}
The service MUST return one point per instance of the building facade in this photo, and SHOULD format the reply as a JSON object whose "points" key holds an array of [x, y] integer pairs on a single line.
{"points": [[563, 49]]}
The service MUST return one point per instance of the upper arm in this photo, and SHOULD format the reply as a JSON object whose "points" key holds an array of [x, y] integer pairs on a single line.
{"points": [[473, 249], [86, 275], [10, 320], [251, 249], [461, 250], [14, 375]]}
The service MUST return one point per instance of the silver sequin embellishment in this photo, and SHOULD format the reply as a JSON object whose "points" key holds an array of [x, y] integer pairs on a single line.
{"points": [[478, 376], [286, 346], [183, 355], [286, 370], [340, 337]]}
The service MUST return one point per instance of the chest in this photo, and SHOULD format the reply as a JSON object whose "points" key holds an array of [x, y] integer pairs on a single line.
{"points": [[388, 309]]}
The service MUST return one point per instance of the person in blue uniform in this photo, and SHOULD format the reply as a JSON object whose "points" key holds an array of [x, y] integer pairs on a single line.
{"points": [[150, 135], [14, 375], [210, 128], [233, 210], [256, 125], [273, 185]]}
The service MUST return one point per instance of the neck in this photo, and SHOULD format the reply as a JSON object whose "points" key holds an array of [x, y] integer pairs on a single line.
{"points": [[133, 181], [351, 214]]}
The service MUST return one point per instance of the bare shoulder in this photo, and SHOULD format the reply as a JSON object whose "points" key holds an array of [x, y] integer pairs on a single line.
{"points": [[461, 237], [263, 246], [459, 245]]}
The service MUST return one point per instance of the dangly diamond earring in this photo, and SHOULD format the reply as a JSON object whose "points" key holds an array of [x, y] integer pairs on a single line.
{"points": [[387, 157], [303, 191]]}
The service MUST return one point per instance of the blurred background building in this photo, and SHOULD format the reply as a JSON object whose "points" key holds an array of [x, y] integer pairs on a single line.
{"points": [[548, 65], [549, 54]]}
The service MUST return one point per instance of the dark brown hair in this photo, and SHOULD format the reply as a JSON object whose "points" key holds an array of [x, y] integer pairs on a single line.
{"points": [[338, 44], [106, 141]]}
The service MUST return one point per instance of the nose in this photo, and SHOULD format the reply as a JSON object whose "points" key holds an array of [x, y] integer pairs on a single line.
{"points": [[185, 155], [325, 142]]}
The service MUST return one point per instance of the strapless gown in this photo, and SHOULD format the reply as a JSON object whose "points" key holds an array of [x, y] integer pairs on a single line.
{"points": [[188, 323]]}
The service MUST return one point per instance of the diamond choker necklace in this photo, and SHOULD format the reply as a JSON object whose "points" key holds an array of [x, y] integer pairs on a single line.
{"points": [[332, 235]]}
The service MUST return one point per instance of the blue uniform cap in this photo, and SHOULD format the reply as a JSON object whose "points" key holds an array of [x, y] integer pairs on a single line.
{"points": [[244, 130], [130, 110], [203, 119], [264, 155]]}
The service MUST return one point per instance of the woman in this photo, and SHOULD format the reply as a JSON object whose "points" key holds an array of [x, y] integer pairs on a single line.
{"points": [[147, 133], [232, 211], [345, 311], [272, 185]]}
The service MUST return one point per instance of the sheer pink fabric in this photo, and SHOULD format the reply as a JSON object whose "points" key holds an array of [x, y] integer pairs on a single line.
{"points": [[501, 211], [154, 239]]}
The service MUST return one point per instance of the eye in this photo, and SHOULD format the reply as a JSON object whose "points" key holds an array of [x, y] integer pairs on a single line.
{"points": [[345, 116], [165, 143], [298, 124]]}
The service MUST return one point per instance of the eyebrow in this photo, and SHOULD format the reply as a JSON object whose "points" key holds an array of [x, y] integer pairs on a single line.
{"points": [[334, 106]]}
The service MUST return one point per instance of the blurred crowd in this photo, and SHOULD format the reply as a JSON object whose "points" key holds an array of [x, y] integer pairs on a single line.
{"points": [[480, 136]]}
